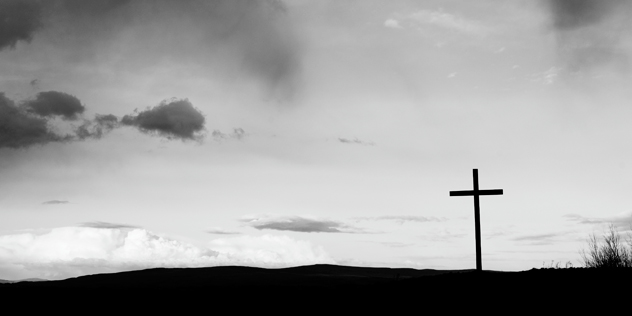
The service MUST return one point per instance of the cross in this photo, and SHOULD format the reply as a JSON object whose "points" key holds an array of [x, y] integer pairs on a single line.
{"points": [[477, 216]]}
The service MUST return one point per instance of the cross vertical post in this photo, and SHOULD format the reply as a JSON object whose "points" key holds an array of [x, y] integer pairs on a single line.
{"points": [[477, 212], [477, 222]]}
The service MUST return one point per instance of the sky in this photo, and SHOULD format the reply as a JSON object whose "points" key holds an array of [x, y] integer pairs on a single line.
{"points": [[137, 134]]}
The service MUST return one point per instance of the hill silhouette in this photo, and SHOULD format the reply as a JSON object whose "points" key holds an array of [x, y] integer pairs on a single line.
{"points": [[323, 275], [355, 288]]}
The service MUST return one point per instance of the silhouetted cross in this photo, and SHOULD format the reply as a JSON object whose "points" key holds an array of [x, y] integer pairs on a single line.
{"points": [[477, 216]]}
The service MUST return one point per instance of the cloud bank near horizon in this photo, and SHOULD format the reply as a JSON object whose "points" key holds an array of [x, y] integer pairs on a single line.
{"points": [[73, 251]]}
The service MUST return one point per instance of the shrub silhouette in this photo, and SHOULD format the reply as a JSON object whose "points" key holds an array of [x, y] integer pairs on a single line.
{"points": [[611, 254]]}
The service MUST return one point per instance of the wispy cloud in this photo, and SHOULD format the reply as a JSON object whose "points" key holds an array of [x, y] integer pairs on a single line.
{"points": [[54, 202], [106, 225], [622, 221], [438, 19], [401, 218], [547, 77], [442, 236], [538, 239], [585, 220], [238, 133], [393, 244], [355, 141], [221, 231], [298, 224]]}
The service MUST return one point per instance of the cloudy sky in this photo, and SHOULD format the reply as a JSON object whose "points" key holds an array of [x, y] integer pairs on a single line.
{"points": [[138, 133]]}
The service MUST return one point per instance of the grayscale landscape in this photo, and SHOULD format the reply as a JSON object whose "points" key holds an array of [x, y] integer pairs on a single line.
{"points": [[258, 155]]}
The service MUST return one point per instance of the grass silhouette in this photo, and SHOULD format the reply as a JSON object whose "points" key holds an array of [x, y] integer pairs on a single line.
{"points": [[611, 253], [567, 265]]}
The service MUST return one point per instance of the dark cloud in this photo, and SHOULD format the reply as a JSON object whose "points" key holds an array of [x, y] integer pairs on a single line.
{"points": [[272, 54], [101, 125], [355, 141], [591, 33], [30, 123], [174, 119], [92, 7], [254, 38], [572, 14], [20, 129], [106, 225], [107, 119], [19, 20], [53, 202], [299, 224], [51, 103]]}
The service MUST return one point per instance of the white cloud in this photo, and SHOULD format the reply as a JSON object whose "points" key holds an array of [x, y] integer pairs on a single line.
{"points": [[392, 23], [269, 250], [73, 251], [547, 77], [401, 219], [448, 21]]}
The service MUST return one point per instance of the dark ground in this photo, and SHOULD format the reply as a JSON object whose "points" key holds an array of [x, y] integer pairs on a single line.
{"points": [[330, 287]]}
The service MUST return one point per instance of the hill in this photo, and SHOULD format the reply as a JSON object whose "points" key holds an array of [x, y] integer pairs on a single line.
{"points": [[332, 285]]}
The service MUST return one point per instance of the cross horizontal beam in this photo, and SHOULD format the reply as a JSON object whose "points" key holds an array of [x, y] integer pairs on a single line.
{"points": [[477, 192]]}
